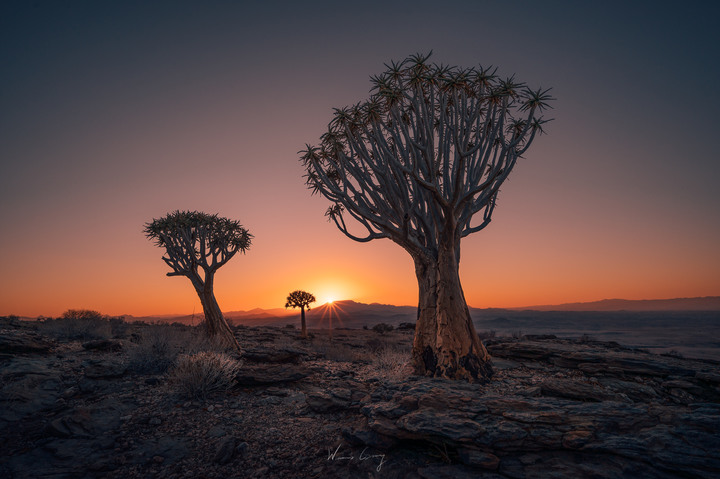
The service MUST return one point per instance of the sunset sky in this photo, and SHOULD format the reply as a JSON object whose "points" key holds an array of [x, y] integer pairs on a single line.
{"points": [[116, 112]]}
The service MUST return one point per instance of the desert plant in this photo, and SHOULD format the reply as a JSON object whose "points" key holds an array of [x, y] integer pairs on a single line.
{"points": [[158, 348], [196, 245], [415, 163], [81, 314], [382, 328], [300, 299], [391, 361], [118, 326], [485, 335], [673, 353], [81, 327], [203, 374]]}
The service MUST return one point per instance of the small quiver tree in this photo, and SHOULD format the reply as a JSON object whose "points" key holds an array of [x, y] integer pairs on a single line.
{"points": [[300, 299], [196, 245], [415, 163]]}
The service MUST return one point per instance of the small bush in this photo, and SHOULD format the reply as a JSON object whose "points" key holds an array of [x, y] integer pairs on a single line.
{"points": [[517, 334], [673, 353], [204, 374], [82, 327], [156, 351], [382, 328], [118, 326], [374, 345], [336, 352], [406, 327], [391, 361], [82, 314], [485, 335]]}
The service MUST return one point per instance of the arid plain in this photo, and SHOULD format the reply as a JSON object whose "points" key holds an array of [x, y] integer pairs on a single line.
{"points": [[110, 398]]}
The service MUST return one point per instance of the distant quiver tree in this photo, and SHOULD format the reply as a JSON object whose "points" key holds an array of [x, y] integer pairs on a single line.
{"points": [[415, 163], [196, 245], [300, 299]]}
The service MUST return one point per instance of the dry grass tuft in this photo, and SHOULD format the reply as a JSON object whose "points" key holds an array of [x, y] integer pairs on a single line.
{"points": [[391, 362], [203, 374]]}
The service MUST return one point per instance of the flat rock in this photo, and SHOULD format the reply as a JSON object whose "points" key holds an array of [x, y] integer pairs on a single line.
{"points": [[104, 369], [270, 374], [577, 417], [19, 341], [277, 356], [572, 389], [103, 345], [226, 450]]}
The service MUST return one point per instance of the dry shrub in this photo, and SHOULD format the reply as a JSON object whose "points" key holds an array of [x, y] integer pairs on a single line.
{"points": [[485, 335], [157, 349], [159, 346], [76, 328], [200, 375], [391, 361], [383, 328]]}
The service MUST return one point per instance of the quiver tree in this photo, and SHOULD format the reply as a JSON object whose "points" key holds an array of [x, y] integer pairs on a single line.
{"points": [[196, 246], [415, 163], [300, 299]]}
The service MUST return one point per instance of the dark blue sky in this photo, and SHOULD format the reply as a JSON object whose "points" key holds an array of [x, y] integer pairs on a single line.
{"points": [[112, 113]]}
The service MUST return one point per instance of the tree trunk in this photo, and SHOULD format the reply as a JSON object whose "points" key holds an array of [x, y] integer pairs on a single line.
{"points": [[302, 322], [446, 344], [215, 324]]}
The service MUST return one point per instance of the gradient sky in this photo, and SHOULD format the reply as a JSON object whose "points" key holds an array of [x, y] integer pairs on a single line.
{"points": [[113, 113]]}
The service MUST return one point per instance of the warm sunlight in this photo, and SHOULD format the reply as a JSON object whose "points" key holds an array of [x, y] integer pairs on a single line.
{"points": [[329, 292]]}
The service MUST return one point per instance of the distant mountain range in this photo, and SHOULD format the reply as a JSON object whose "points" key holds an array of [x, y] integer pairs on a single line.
{"points": [[351, 314], [707, 303]]}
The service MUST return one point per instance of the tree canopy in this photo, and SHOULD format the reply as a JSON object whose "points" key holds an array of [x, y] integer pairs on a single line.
{"points": [[432, 144], [299, 299], [194, 239]]}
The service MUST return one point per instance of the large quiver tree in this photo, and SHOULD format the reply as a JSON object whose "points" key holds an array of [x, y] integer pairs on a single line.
{"points": [[196, 246], [415, 163]]}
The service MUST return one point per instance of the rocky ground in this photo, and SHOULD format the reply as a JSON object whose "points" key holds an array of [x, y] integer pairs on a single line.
{"points": [[347, 407]]}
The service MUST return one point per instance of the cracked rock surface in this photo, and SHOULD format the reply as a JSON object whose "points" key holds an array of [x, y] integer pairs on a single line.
{"points": [[347, 407]]}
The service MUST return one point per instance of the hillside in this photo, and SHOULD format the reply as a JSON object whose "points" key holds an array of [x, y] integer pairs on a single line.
{"points": [[707, 303]]}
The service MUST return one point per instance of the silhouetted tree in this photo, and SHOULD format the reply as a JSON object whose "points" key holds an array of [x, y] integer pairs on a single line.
{"points": [[415, 163], [81, 314], [196, 245], [300, 299]]}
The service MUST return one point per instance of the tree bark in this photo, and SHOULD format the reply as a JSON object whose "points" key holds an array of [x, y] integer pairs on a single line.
{"points": [[302, 322], [446, 344], [215, 324]]}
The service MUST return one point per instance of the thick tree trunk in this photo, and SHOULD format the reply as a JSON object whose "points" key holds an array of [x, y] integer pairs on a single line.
{"points": [[446, 344], [302, 322], [215, 324]]}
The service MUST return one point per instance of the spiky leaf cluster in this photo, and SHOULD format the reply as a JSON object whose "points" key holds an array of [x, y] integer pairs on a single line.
{"points": [[195, 239], [428, 149]]}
